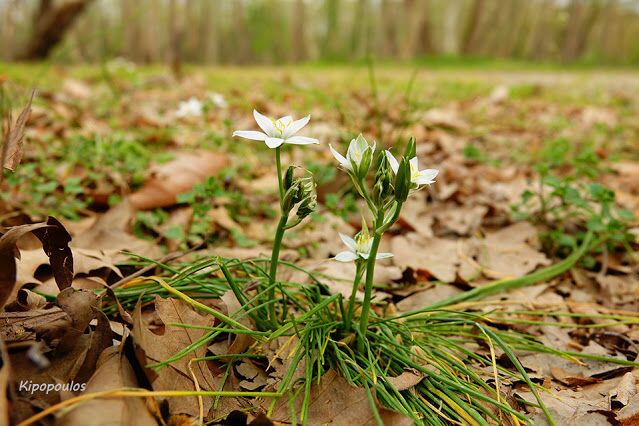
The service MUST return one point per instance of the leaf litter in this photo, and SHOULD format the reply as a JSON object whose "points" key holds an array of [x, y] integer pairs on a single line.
{"points": [[459, 235]]}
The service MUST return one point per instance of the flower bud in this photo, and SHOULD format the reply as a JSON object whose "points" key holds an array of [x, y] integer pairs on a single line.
{"points": [[307, 197], [411, 148], [288, 178], [382, 188], [402, 181]]}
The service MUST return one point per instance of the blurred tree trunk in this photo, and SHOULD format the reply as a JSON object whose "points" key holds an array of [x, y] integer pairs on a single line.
{"points": [[389, 25], [8, 30], [472, 29], [580, 21], [299, 32], [175, 39], [331, 38], [52, 20], [419, 39]]}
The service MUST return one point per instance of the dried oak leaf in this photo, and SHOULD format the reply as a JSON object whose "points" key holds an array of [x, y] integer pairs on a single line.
{"points": [[335, 401], [154, 347]]}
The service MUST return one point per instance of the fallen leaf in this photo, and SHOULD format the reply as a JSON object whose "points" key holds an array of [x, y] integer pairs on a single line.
{"points": [[8, 253], [335, 401], [159, 347], [406, 380], [114, 371], [176, 177], [12, 146]]}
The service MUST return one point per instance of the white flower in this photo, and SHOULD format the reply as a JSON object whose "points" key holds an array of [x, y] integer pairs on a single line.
{"points": [[277, 132], [354, 154], [418, 177], [360, 247], [190, 108], [218, 100]]}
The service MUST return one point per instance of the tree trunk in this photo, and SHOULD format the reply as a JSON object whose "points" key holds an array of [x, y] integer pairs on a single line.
{"points": [[299, 32], [51, 22], [175, 40]]}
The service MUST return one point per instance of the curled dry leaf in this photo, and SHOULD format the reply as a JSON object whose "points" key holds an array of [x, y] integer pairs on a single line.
{"points": [[176, 177], [406, 380], [14, 135], [8, 253]]}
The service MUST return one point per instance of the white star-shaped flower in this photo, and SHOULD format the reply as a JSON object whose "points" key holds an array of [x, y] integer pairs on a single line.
{"points": [[418, 177], [277, 132], [360, 247], [354, 154]]}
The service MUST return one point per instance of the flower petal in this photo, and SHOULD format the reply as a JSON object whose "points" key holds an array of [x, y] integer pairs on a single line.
{"points": [[393, 162], [350, 243], [296, 126], [413, 163], [250, 134], [273, 142], [345, 256], [340, 158], [301, 140], [265, 123], [383, 255], [426, 176]]}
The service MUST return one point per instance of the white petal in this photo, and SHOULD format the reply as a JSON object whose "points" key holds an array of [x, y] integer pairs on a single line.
{"points": [[350, 243], [301, 140], [383, 255], [426, 176], [345, 256], [340, 158], [413, 164], [364, 255], [265, 123], [296, 126], [250, 134], [284, 121], [393, 162], [273, 142]]}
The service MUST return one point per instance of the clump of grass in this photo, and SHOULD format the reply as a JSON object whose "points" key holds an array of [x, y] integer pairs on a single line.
{"points": [[437, 342]]}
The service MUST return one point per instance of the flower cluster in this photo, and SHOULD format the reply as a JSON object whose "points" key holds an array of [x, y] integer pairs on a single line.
{"points": [[393, 181]]}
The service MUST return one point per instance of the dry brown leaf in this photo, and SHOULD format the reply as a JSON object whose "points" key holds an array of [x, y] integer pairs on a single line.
{"points": [[406, 380], [114, 371], [436, 257], [109, 234], [335, 401], [176, 177], [8, 253], [159, 347], [427, 297], [12, 144], [509, 253]]}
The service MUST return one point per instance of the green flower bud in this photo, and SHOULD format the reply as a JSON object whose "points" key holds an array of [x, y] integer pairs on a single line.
{"points": [[411, 148], [383, 186], [288, 178], [402, 181]]}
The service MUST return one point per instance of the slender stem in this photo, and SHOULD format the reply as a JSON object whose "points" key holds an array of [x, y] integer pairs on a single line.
{"points": [[351, 302], [368, 287], [278, 163], [277, 243]]}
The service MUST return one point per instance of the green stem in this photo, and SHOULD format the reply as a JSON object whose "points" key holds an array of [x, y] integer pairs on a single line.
{"points": [[277, 243], [278, 163], [351, 302], [368, 287]]}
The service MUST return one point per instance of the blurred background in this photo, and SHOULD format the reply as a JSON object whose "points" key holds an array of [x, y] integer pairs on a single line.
{"points": [[597, 32]]}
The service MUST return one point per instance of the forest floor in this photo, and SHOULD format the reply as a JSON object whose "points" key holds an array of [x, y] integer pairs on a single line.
{"points": [[531, 162]]}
